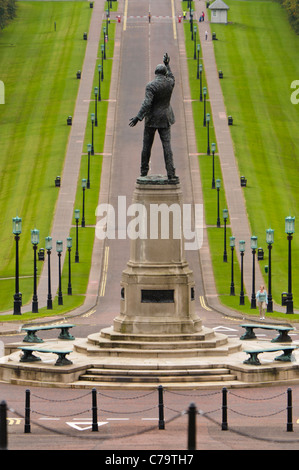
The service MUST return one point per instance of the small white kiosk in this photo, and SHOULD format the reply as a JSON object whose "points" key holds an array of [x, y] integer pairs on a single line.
{"points": [[219, 11]]}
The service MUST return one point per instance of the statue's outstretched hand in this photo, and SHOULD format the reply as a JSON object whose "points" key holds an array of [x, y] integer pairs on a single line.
{"points": [[166, 58], [133, 121]]}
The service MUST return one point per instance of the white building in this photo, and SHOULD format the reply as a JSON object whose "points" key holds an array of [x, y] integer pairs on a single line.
{"points": [[218, 12]]}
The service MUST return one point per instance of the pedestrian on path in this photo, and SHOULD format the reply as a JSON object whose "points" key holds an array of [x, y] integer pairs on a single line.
{"points": [[206, 35], [203, 15], [262, 301]]}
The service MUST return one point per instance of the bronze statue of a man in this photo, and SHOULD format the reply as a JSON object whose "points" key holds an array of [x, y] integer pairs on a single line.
{"points": [[158, 114]]}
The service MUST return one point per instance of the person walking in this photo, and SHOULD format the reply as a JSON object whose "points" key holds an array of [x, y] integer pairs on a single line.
{"points": [[262, 300]]}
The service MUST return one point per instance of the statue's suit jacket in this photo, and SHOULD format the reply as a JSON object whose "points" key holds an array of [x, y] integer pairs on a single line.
{"points": [[156, 108]]}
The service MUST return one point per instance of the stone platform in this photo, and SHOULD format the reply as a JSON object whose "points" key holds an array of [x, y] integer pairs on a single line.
{"points": [[101, 361]]}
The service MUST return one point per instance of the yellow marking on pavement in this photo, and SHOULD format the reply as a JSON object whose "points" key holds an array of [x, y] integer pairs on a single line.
{"points": [[125, 15], [88, 314], [173, 20], [105, 270], [203, 304]]}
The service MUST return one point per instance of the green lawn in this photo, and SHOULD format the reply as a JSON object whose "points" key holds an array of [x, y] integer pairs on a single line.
{"points": [[38, 68], [80, 271], [258, 52]]}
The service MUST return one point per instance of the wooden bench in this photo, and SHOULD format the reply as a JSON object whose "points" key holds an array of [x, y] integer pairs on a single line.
{"points": [[28, 355], [286, 356], [283, 331], [31, 332]]}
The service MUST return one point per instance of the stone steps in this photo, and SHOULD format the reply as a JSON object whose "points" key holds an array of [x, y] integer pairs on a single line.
{"points": [[129, 352], [154, 376], [111, 343]]}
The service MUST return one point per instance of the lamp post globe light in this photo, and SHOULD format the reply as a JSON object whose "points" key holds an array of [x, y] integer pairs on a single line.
{"points": [[89, 149], [225, 216], [242, 250], [84, 185], [59, 247], [253, 245], [232, 246], [17, 230], [213, 166], [49, 248], [35, 242], [69, 243], [270, 241], [218, 184], [289, 229], [77, 217]]}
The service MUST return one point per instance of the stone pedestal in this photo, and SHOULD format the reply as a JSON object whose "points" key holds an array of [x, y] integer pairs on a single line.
{"points": [[157, 287]]}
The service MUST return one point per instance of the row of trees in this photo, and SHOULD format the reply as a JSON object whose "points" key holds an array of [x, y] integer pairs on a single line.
{"points": [[7, 12], [292, 8]]}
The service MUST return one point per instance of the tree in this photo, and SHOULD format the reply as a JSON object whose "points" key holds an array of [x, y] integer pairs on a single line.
{"points": [[7, 12]]}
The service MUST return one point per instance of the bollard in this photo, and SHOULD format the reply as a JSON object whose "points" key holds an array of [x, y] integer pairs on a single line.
{"points": [[161, 408], [289, 411], [192, 427], [3, 426], [224, 426], [94, 410], [27, 412]]}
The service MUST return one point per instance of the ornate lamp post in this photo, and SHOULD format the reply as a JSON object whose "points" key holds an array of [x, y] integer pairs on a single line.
{"points": [[104, 45], [232, 246], [270, 241], [69, 247], [208, 133], [92, 117], [225, 216], [198, 51], [200, 74], [195, 31], [83, 184], [213, 172], [100, 74], [77, 217], [242, 250], [218, 183], [102, 51], [204, 91], [59, 246], [34, 241], [289, 229], [89, 149], [95, 105], [17, 230], [253, 248], [49, 248]]}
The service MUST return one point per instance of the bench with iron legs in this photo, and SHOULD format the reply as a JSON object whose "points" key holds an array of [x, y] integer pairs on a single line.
{"points": [[286, 356], [28, 355], [31, 332], [283, 336]]}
